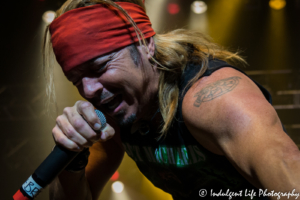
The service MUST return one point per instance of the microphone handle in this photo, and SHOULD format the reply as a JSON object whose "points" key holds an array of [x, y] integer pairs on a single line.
{"points": [[55, 163]]}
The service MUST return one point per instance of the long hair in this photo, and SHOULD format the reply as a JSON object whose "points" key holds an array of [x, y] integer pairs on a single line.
{"points": [[173, 51]]}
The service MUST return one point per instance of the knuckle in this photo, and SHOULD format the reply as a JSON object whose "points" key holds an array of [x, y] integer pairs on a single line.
{"points": [[58, 119], [93, 116], [78, 102], [86, 105], [70, 133], [78, 123], [67, 110], [60, 140], [54, 131]]}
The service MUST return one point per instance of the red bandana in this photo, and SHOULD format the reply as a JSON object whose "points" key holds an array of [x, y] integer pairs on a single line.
{"points": [[85, 33]]}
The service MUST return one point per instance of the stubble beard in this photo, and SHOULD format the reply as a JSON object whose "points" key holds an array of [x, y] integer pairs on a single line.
{"points": [[125, 122]]}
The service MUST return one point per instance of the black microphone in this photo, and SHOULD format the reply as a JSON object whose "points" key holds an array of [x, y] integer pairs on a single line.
{"points": [[52, 166]]}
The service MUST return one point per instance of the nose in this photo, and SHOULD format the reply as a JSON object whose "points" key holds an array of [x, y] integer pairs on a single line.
{"points": [[91, 87]]}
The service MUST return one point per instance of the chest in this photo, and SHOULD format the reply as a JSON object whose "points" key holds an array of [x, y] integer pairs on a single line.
{"points": [[178, 164]]}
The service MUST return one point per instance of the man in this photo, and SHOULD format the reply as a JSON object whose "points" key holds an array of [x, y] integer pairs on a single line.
{"points": [[190, 120]]}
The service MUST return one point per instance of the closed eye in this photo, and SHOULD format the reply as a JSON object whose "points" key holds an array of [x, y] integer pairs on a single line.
{"points": [[99, 68]]}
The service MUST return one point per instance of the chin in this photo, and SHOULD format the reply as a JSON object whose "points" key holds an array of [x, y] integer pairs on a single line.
{"points": [[126, 116], [126, 121]]}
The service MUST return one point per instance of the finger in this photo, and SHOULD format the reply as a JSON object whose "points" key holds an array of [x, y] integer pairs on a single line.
{"points": [[80, 126], [107, 133], [62, 140], [71, 133], [87, 110]]}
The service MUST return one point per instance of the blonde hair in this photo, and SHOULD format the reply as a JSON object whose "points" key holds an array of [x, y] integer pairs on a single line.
{"points": [[173, 51]]}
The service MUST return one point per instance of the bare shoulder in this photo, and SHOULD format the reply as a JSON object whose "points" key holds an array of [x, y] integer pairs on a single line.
{"points": [[228, 115], [216, 103]]}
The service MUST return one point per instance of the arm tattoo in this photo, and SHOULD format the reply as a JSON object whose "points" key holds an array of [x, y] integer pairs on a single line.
{"points": [[216, 89]]}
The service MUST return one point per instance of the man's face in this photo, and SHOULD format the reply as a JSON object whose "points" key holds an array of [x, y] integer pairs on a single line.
{"points": [[118, 86]]}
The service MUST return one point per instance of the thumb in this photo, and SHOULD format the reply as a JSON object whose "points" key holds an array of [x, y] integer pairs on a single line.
{"points": [[107, 133]]}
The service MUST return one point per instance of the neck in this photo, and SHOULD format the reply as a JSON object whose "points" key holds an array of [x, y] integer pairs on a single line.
{"points": [[152, 118]]}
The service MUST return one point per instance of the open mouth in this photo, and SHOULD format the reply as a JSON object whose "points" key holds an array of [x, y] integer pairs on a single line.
{"points": [[113, 103]]}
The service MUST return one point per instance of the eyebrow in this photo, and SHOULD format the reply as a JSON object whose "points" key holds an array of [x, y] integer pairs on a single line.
{"points": [[103, 59], [76, 72], [73, 74]]}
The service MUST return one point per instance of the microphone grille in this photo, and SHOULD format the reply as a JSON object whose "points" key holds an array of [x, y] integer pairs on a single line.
{"points": [[102, 119]]}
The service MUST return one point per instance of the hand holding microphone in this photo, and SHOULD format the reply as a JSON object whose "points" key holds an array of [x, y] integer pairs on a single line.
{"points": [[79, 127], [73, 132]]}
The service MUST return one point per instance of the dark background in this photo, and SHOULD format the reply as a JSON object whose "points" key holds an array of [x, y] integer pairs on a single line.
{"points": [[269, 39]]}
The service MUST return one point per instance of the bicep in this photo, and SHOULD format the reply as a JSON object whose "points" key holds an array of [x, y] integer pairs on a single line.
{"points": [[243, 126], [104, 160], [258, 147]]}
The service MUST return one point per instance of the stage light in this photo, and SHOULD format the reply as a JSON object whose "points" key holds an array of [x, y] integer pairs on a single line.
{"points": [[173, 8], [199, 7], [115, 176], [48, 16], [117, 187], [277, 4]]}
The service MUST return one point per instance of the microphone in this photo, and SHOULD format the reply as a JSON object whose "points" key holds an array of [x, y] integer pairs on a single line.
{"points": [[52, 166]]}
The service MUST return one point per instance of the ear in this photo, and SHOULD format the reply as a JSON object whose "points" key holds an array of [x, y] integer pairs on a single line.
{"points": [[151, 47]]}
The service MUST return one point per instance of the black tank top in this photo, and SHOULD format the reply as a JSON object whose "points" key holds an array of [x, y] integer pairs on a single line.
{"points": [[178, 164]]}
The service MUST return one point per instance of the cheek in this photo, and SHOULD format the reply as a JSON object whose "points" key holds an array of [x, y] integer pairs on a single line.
{"points": [[122, 78], [111, 79]]}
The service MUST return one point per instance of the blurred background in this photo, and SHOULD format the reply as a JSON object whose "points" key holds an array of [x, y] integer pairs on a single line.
{"points": [[266, 31]]}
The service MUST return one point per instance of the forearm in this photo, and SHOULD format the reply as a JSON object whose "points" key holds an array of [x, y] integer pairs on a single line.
{"points": [[70, 186], [282, 176]]}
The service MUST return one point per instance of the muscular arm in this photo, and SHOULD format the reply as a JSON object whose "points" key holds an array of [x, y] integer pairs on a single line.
{"points": [[229, 115]]}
